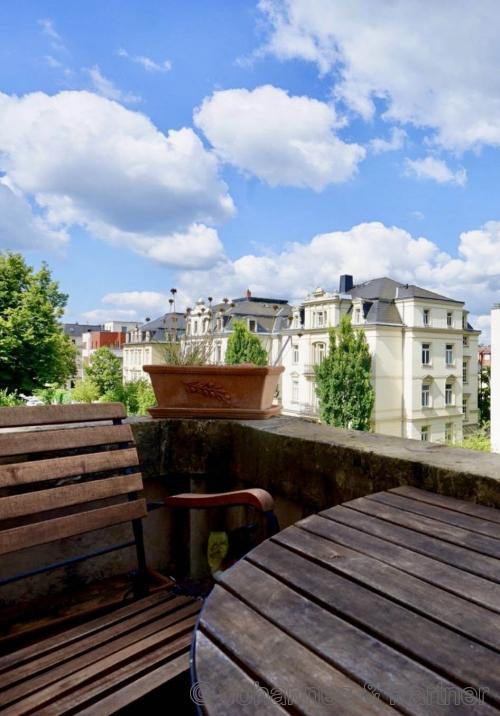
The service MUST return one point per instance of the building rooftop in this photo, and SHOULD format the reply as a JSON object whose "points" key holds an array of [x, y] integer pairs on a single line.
{"points": [[389, 289]]}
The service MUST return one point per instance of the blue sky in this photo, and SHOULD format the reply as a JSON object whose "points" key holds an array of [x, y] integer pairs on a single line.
{"points": [[272, 145]]}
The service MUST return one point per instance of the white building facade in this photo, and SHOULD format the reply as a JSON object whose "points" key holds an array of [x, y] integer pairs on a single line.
{"points": [[145, 344], [424, 357]]}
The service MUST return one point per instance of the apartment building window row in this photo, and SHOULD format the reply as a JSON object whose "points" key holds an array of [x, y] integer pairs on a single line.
{"points": [[449, 354]]}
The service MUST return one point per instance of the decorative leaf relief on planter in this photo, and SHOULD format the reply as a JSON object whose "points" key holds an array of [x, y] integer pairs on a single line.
{"points": [[209, 390]]}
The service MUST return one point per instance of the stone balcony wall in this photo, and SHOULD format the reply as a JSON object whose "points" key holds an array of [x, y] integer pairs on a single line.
{"points": [[305, 466]]}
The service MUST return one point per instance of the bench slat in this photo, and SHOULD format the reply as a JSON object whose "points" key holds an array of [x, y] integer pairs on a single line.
{"points": [[19, 538], [143, 685], [34, 502], [27, 443], [58, 641], [93, 665], [39, 672], [56, 468], [22, 415]]}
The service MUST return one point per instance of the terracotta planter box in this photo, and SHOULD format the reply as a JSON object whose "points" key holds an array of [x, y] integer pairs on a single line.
{"points": [[214, 391]]}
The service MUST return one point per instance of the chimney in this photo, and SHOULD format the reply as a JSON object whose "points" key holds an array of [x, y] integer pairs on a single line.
{"points": [[249, 294], [346, 283]]}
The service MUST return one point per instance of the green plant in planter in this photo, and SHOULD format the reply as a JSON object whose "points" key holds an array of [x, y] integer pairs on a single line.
{"points": [[196, 351], [245, 347]]}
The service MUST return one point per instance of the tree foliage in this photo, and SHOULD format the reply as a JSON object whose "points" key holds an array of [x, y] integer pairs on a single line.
{"points": [[104, 370], [244, 347], [484, 395], [343, 379], [33, 348]]}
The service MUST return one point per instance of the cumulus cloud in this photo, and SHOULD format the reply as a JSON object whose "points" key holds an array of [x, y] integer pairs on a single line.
{"points": [[85, 160], [367, 250], [106, 88], [396, 141], [436, 69], [146, 62], [101, 315], [435, 169], [20, 228], [281, 139], [136, 305]]}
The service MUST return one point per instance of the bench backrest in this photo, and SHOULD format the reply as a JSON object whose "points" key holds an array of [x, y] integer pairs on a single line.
{"points": [[55, 475]]}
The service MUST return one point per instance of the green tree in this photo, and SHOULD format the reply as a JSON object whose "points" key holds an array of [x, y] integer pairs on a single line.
{"points": [[484, 395], [85, 392], [105, 372], [244, 347], [33, 348], [343, 379]]}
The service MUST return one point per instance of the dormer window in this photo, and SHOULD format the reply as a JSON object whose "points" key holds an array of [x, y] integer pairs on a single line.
{"points": [[252, 325]]}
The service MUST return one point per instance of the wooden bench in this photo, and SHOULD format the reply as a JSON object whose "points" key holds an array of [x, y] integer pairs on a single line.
{"points": [[59, 480]]}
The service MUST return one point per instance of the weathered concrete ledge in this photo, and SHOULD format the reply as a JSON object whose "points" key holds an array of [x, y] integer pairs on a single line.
{"points": [[311, 466]]}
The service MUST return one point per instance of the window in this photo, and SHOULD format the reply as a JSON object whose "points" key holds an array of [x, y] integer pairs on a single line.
{"points": [[448, 432], [464, 407], [295, 353], [465, 376], [320, 319], [218, 353], [448, 394], [426, 316], [295, 391], [424, 433], [465, 340], [252, 325], [464, 320], [426, 353], [449, 354], [319, 352], [449, 319], [426, 395], [195, 327], [357, 315]]}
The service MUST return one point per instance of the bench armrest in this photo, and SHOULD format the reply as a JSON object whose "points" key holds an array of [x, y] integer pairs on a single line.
{"points": [[254, 497]]}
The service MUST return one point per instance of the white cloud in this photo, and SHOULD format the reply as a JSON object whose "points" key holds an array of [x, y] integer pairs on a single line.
{"points": [[106, 88], [436, 169], [20, 228], [88, 161], [49, 30], [197, 247], [134, 305], [366, 251], [396, 141], [146, 62], [102, 315], [283, 140], [436, 69]]}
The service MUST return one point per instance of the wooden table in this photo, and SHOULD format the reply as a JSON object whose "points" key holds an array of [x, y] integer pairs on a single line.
{"points": [[386, 604]]}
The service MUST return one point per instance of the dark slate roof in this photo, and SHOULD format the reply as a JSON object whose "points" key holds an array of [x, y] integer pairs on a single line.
{"points": [[159, 326], [383, 312], [165, 321], [78, 329], [387, 288], [253, 307]]}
